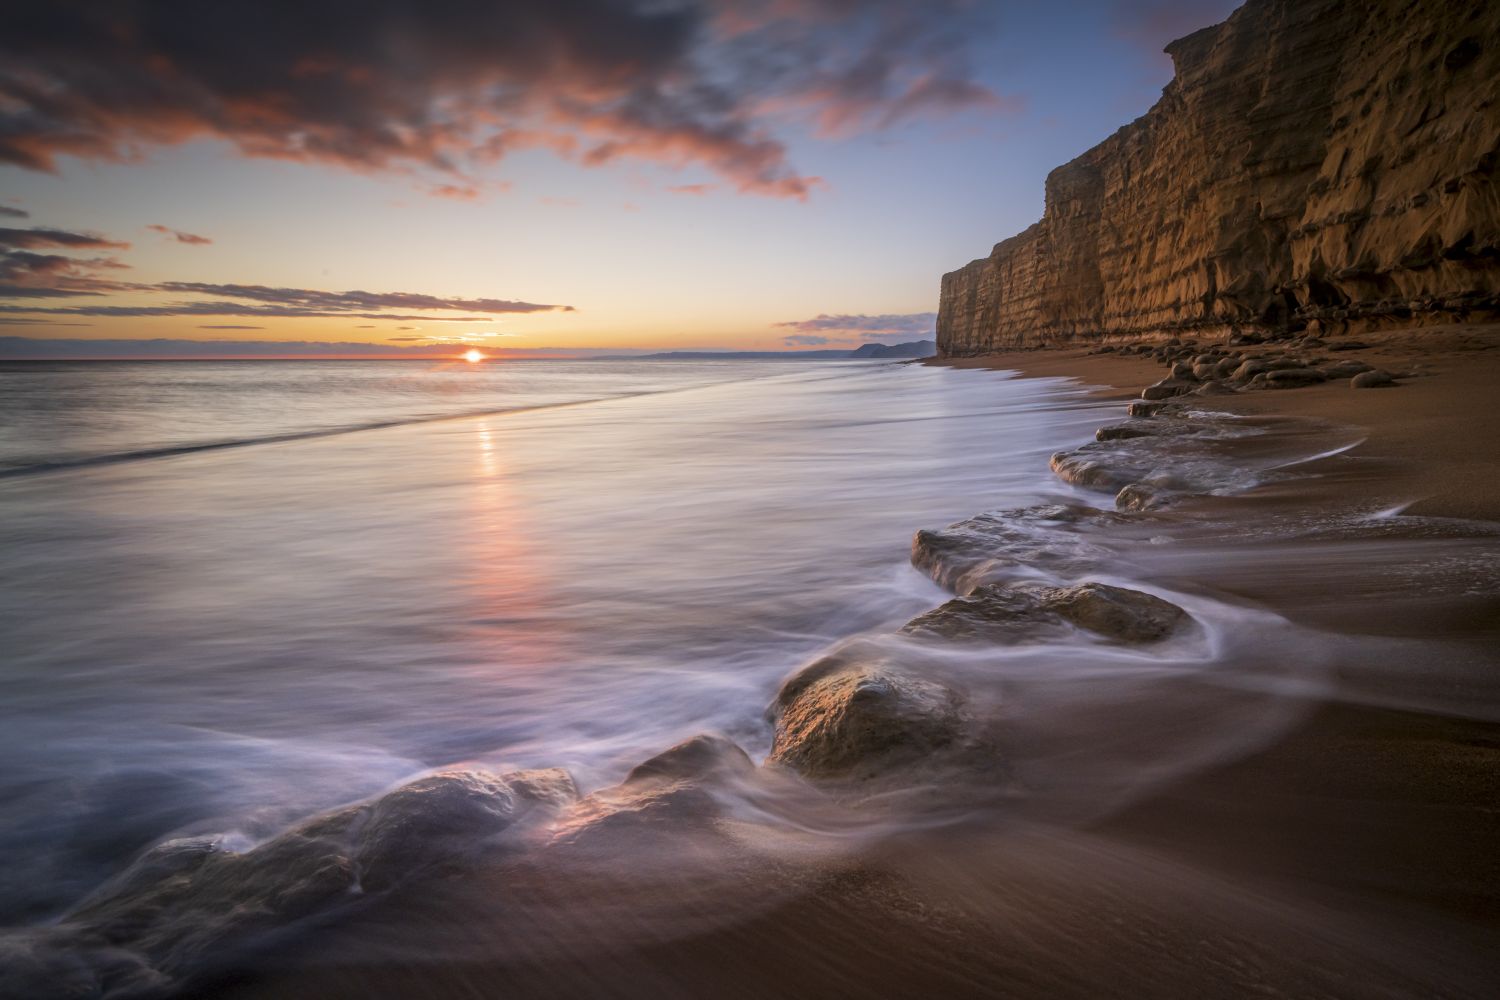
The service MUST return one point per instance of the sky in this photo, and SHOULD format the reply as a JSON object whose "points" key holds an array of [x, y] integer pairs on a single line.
{"points": [[365, 177]]}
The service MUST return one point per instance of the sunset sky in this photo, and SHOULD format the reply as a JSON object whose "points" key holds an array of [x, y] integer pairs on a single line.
{"points": [[576, 174]]}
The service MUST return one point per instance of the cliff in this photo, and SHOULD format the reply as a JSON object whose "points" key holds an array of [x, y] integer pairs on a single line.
{"points": [[1310, 160]]}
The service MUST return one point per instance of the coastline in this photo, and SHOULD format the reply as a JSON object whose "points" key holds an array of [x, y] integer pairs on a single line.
{"points": [[1440, 428], [1263, 801]]}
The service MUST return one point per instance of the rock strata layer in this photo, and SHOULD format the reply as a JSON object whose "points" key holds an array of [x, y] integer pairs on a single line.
{"points": [[1313, 163]]}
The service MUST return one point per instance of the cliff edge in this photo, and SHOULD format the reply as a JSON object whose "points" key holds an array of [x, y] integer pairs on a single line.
{"points": [[1311, 161]]}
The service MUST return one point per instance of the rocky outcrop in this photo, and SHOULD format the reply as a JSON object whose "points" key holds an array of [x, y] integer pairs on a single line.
{"points": [[1311, 162]]}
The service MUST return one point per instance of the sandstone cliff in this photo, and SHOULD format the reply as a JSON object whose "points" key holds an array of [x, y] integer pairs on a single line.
{"points": [[1310, 160]]}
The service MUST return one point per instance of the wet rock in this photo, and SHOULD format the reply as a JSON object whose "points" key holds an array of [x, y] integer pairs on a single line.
{"points": [[1183, 371], [675, 795], [1140, 497], [1122, 432], [1118, 613], [1165, 389], [991, 614], [1348, 345], [1106, 470], [448, 816], [992, 545], [1142, 408], [1373, 379], [1293, 378], [843, 718], [189, 905]]}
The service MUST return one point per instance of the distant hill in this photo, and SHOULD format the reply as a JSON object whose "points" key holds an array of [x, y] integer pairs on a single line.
{"points": [[867, 352]]}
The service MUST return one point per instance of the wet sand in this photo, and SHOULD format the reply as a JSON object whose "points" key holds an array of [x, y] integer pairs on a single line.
{"points": [[1353, 852]]}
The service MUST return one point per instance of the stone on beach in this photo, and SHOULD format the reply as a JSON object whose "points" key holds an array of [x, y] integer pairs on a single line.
{"points": [[842, 717], [1165, 389], [1374, 379], [1024, 613]]}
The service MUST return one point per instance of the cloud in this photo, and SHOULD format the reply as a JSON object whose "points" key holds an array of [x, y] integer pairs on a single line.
{"points": [[228, 326], [805, 340], [693, 189], [181, 237], [37, 347], [7, 212], [42, 239], [25, 274], [888, 325], [442, 88]]}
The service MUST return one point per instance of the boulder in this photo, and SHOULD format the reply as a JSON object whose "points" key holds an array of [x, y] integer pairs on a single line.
{"points": [[1373, 379], [843, 718], [676, 795], [1293, 378], [1165, 389], [1247, 370], [1140, 496], [1141, 408], [1213, 387], [994, 545], [1117, 613], [990, 614]]}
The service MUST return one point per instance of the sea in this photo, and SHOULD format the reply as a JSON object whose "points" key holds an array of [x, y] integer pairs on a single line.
{"points": [[238, 593]]}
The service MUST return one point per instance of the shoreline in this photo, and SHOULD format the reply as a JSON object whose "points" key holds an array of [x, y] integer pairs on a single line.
{"points": [[1439, 426], [1005, 809]]}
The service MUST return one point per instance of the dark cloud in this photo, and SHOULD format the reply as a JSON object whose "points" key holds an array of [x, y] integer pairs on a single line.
{"points": [[228, 309], [180, 236], [25, 274], [7, 212], [445, 86], [43, 239], [337, 301], [877, 327]]}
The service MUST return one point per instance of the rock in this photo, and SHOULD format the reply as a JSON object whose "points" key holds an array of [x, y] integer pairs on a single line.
{"points": [[1213, 388], [676, 795], [1142, 408], [1121, 432], [997, 545], [1248, 370], [1182, 371], [1293, 378], [188, 904], [1097, 470], [1349, 345], [1117, 613], [1139, 496], [991, 614], [1165, 389], [842, 718], [1347, 368], [1311, 166], [1375, 379]]}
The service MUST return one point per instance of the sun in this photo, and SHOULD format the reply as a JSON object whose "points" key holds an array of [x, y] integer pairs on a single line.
{"points": [[472, 356]]}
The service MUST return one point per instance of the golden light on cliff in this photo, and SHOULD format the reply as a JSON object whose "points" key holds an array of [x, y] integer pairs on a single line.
{"points": [[472, 356]]}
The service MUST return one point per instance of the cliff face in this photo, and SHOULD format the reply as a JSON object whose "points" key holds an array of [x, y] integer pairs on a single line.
{"points": [[1311, 160]]}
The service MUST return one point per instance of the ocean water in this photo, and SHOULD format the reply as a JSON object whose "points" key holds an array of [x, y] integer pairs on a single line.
{"points": [[238, 593]]}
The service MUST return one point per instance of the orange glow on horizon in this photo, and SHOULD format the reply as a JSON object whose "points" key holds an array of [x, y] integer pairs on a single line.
{"points": [[472, 356]]}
